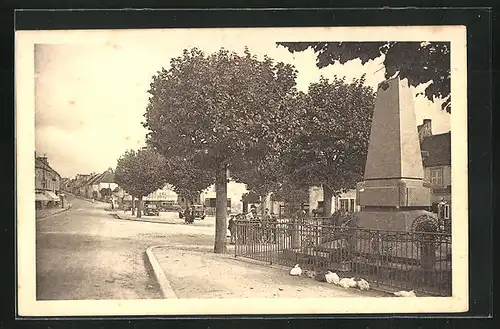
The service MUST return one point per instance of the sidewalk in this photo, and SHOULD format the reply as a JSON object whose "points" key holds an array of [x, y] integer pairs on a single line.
{"points": [[197, 272], [42, 213]]}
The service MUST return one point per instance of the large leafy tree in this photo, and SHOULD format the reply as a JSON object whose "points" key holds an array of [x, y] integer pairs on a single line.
{"points": [[330, 150], [219, 111], [419, 62], [140, 173]]}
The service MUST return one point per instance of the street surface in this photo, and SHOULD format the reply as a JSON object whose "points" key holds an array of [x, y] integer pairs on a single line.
{"points": [[85, 253]]}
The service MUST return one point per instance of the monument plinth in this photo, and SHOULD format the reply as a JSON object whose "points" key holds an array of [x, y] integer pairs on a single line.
{"points": [[392, 194]]}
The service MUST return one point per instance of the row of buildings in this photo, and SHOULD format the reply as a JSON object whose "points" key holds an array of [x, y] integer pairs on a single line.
{"points": [[99, 186]]}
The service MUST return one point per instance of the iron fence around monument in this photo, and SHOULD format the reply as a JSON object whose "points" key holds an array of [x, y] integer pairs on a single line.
{"points": [[390, 260]]}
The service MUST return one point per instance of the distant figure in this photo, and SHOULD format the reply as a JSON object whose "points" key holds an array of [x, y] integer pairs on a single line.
{"points": [[272, 223], [252, 215], [231, 228], [267, 216], [189, 215]]}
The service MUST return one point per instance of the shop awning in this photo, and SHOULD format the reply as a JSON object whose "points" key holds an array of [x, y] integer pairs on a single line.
{"points": [[41, 197], [52, 195]]}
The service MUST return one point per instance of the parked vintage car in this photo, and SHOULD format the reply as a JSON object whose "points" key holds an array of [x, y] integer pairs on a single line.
{"points": [[150, 210], [199, 211]]}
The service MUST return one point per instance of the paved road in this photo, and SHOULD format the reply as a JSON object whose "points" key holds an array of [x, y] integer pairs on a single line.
{"points": [[85, 253]]}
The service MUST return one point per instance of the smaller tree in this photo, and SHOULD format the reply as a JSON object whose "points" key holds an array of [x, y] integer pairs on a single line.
{"points": [[105, 192], [140, 173], [187, 176]]}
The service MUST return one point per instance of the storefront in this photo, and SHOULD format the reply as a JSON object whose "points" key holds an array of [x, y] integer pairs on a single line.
{"points": [[41, 200]]}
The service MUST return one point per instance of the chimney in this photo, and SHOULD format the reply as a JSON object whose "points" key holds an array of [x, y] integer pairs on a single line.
{"points": [[425, 129], [43, 159]]}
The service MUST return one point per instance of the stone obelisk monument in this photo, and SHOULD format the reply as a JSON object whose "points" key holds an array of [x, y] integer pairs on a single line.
{"points": [[392, 194]]}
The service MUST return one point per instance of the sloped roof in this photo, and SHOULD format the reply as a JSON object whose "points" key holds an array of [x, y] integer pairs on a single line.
{"points": [[94, 178], [89, 180], [438, 148], [106, 177], [42, 165], [80, 181]]}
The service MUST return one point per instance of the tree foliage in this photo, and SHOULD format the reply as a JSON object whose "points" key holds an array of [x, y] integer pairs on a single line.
{"points": [[218, 108], [419, 62], [267, 174], [187, 177], [140, 173], [331, 148]]}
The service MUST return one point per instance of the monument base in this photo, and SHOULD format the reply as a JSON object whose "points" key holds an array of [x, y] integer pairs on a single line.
{"points": [[388, 219]]}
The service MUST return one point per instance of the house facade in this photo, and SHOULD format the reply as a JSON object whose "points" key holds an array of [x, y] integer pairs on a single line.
{"points": [[102, 185], [436, 158], [47, 184], [165, 195], [235, 192], [345, 202]]}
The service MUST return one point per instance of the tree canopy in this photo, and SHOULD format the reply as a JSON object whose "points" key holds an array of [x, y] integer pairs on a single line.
{"points": [[330, 150], [419, 62], [219, 107], [140, 172], [187, 177]]}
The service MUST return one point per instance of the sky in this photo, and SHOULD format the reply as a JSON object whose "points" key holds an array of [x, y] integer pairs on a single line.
{"points": [[90, 97]]}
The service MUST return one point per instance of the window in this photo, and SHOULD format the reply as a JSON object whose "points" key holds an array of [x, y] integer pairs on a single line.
{"points": [[437, 176], [344, 205], [347, 205]]}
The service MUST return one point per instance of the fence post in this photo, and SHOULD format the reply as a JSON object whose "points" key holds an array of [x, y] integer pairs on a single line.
{"points": [[295, 233]]}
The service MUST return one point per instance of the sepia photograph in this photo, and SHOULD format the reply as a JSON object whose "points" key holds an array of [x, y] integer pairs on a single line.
{"points": [[242, 171]]}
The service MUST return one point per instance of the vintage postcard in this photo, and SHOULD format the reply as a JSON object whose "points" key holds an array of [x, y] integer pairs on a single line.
{"points": [[242, 171]]}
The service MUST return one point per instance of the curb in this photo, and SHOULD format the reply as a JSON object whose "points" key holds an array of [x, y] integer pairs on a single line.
{"points": [[55, 213], [160, 277]]}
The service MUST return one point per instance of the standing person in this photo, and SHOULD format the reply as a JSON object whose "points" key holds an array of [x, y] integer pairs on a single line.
{"points": [[187, 215], [267, 216], [266, 221], [251, 215], [231, 228], [192, 213]]}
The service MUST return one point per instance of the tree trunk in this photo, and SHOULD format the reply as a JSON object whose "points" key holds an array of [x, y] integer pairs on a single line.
{"points": [[220, 209], [262, 199], [133, 206], [266, 200], [139, 207], [327, 200]]}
